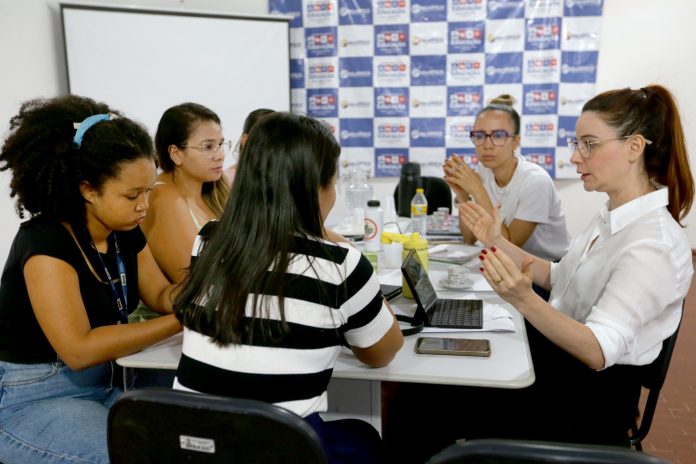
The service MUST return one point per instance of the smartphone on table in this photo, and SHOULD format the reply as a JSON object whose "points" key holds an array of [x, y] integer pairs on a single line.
{"points": [[453, 346]]}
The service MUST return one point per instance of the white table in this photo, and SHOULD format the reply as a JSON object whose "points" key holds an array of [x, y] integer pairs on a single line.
{"points": [[355, 389]]}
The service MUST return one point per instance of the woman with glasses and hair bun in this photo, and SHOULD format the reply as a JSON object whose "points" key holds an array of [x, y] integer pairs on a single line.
{"points": [[615, 296], [191, 189], [74, 271], [529, 205]]}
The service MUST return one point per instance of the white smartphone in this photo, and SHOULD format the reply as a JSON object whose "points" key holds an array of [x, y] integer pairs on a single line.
{"points": [[453, 346]]}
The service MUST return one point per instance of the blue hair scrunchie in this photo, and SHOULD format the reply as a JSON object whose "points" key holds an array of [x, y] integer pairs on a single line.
{"points": [[86, 124]]}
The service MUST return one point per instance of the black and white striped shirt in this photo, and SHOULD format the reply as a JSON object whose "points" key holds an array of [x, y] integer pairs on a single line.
{"points": [[326, 299]]}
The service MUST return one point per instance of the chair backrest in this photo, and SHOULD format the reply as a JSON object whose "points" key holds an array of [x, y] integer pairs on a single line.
{"points": [[653, 378], [436, 191], [155, 425], [497, 451]]}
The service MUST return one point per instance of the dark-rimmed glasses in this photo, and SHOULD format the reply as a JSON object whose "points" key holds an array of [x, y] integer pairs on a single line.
{"points": [[498, 137], [584, 147]]}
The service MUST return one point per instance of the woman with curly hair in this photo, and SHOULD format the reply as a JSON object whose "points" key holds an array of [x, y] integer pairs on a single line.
{"points": [[76, 269]]}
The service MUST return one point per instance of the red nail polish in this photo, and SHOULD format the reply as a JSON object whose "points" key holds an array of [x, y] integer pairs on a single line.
{"points": [[484, 251], [493, 249], [481, 257], [482, 269]]}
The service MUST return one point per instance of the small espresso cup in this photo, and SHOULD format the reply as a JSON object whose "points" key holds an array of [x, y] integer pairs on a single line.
{"points": [[457, 276]]}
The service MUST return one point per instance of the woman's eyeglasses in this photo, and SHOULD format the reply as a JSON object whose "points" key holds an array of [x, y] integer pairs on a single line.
{"points": [[584, 147], [498, 137], [211, 148]]}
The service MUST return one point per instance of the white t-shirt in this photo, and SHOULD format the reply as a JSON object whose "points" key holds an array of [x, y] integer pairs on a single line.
{"points": [[628, 288], [531, 196]]}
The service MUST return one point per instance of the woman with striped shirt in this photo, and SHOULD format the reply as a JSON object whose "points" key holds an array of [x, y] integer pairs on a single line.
{"points": [[270, 300]]}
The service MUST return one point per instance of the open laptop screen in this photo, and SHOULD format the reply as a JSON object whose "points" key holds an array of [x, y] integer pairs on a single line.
{"points": [[423, 291]]}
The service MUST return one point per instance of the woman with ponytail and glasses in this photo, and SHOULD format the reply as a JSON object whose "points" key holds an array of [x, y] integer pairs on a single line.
{"points": [[528, 203], [75, 270], [615, 296]]}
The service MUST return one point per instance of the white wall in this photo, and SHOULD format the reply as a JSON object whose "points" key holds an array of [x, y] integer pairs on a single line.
{"points": [[643, 42]]}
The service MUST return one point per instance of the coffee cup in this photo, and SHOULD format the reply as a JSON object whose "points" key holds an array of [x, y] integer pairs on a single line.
{"points": [[457, 276]]}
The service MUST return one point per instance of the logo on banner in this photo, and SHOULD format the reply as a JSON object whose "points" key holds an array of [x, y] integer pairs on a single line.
{"points": [[467, 7], [320, 42], [544, 157], [320, 9], [579, 67], [391, 71], [466, 154], [428, 70], [391, 101], [466, 69], [391, 40], [388, 161], [320, 72], [464, 101], [458, 132], [321, 103], [504, 68], [292, 8], [356, 132], [542, 67], [427, 132], [566, 129], [428, 10], [466, 37], [390, 7], [543, 34], [539, 130], [354, 12], [540, 99], [355, 72], [505, 9], [429, 103], [297, 74], [390, 133]]}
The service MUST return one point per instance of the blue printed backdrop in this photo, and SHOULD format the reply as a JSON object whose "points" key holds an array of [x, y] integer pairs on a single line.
{"points": [[402, 80]]}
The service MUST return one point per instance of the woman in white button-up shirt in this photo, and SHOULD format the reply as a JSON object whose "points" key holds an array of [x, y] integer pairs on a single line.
{"points": [[615, 296]]}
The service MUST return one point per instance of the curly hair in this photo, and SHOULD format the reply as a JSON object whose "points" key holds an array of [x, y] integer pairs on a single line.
{"points": [[47, 167]]}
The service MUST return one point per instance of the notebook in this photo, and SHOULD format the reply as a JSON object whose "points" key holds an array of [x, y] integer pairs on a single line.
{"points": [[434, 311]]}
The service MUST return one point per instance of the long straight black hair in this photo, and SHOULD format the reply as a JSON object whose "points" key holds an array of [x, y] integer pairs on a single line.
{"points": [[274, 202]]}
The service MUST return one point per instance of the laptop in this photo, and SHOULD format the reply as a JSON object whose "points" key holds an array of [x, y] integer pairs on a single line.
{"points": [[436, 312]]}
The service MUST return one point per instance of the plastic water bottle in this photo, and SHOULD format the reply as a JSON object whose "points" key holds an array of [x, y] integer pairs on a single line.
{"points": [[419, 213], [373, 226], [358, 192]]}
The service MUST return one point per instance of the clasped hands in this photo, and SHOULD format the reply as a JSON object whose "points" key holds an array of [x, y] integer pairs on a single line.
{"points": [[461, 178]]}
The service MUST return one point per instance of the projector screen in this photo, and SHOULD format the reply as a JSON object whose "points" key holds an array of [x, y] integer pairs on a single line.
{"points": [[141, 62]]}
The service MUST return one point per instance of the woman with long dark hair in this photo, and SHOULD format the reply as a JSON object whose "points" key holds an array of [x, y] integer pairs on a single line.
{"points": [[270, 300]]}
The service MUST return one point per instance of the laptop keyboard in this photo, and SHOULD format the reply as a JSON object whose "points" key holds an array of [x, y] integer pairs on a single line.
{"points": [[463, 314]]}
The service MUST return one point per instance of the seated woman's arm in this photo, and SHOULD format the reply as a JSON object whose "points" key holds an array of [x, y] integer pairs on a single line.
{"points": [[54, 292], [170, 231], [381, 353]]}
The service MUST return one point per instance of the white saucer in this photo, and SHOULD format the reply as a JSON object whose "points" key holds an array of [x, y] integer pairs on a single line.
{"points": [[467, 284]]}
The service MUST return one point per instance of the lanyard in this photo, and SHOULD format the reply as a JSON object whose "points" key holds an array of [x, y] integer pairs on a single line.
{"points": [[121, 298]]}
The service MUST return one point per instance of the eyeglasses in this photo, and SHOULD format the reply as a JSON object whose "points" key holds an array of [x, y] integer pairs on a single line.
{"points": [[498, 137], [584, 147], [211, 148]]}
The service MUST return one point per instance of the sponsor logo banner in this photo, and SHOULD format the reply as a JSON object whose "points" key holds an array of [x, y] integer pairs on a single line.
{"points": [[322, 103], [356, 132], [466, 37], [355, 72], [427, 132], [579, 67], [354, 12], [464, 101], [391, 39], [391, 101], [388, 161], [543, 34], [503, 68], [544, 157], [428, 70], [428, 10], [540, 99], [320, 42]]}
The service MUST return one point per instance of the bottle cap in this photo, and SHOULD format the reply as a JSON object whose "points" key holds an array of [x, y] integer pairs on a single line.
{"points": [[415, 241], [373, 203], [419, 190]]}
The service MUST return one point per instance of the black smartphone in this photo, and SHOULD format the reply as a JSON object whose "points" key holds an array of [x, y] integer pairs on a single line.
{"points": [[453, 346]]}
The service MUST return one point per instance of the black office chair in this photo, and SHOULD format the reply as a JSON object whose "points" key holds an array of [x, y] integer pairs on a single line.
{"points": [[653, 378], [436, 191], [155, 425], [497, 451]]}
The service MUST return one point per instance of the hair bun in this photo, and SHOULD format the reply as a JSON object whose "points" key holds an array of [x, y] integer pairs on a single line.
{"points": [[503, 99]]}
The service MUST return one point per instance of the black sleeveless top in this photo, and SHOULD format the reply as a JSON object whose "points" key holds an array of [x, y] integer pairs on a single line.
{"points": [[21, 337]]}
